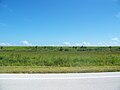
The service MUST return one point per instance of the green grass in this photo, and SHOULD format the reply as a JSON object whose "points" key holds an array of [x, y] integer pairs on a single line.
{"points": [[59, 59], [63, 59], [39, 69]]}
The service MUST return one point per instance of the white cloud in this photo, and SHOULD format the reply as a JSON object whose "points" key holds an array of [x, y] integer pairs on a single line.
{"points": [[64, 44], [85, 43], [103, 43], [67, 43], [109, 43], [5, 44], [76, 44], [114, 43], [25, 43], [115, 39]]}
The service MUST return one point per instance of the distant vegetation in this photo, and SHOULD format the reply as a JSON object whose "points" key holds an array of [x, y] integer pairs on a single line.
{"points": [[48, 59], [73, 56]]}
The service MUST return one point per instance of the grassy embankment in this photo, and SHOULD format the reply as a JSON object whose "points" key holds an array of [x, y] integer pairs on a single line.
{"points": [[59, 59]]}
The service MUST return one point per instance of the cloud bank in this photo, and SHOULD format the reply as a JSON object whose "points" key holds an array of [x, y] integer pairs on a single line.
{"points": [[25, 43], [113, 42], [115, 39], [5, 44]]}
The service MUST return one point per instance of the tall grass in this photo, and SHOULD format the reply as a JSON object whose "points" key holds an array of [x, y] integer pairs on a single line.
{"points": [[55, 56]]}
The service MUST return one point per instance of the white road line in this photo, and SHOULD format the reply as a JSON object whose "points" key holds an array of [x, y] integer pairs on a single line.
{"points": [[62, 78]]}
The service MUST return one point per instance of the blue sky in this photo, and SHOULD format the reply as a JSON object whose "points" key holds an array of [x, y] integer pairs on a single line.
{"points": [[60, 22]]}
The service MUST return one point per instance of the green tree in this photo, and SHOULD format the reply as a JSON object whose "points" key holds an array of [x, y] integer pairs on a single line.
{"points": [[61, 49], [110, 48], [1, 47]]}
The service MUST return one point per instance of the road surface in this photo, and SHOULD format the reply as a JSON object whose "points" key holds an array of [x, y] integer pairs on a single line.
{"points": [[70, 81]]}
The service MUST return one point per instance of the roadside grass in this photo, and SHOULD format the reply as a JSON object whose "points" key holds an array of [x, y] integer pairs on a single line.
{"points": [[39, 69], [63, 59]]}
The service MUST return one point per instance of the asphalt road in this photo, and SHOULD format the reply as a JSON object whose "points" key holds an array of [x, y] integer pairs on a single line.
{"points": [[75, 81]]}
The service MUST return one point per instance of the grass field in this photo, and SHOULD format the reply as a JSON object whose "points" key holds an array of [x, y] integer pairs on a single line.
{"points": [[39, 69], [48, 59]]}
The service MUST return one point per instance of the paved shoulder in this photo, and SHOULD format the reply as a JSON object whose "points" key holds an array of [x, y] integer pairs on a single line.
{"points": [[70, 81]]}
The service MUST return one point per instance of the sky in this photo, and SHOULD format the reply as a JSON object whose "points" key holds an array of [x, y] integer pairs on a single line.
{"points": [[60, 22]]}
